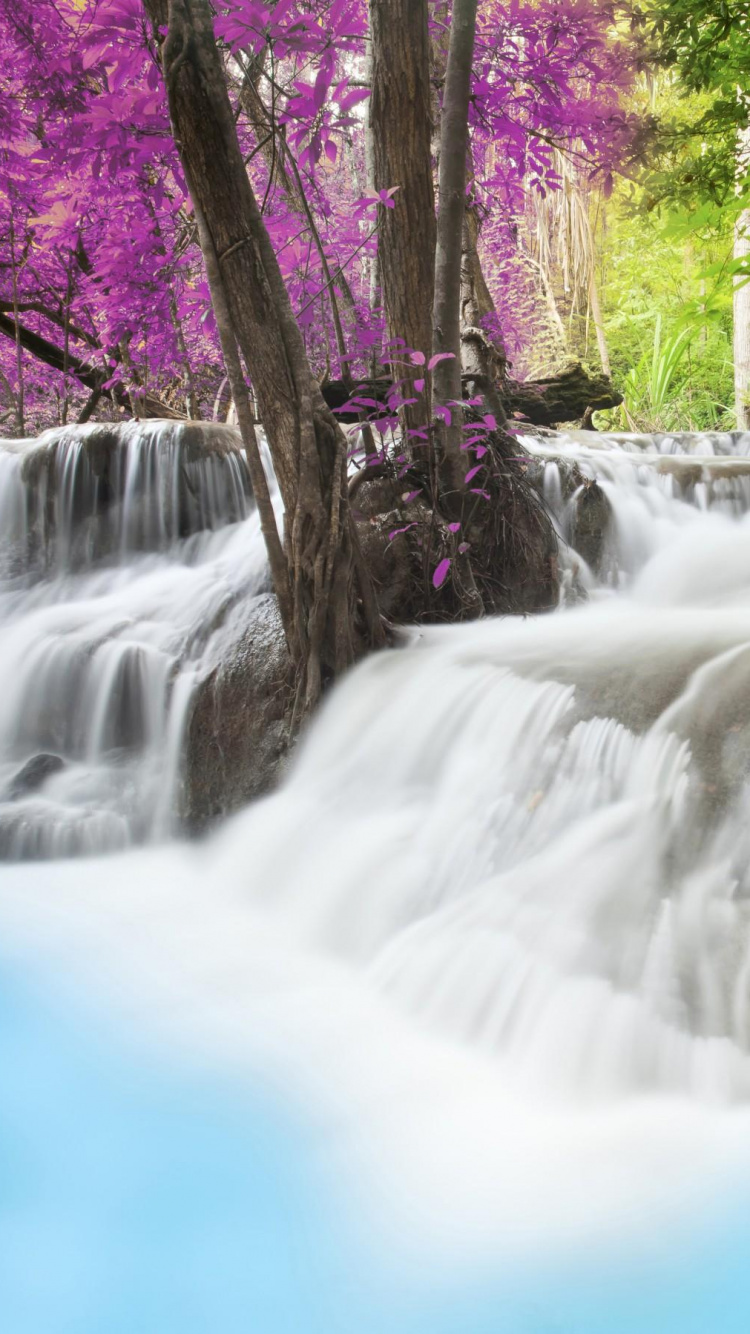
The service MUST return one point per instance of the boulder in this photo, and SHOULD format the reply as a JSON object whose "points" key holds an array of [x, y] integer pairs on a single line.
{"points": [[34, 773], [87, 492], [590, 525], [237, 729]]}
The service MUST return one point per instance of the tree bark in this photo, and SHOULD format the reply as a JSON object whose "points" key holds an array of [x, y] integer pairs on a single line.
{"points": [[246, 422], [741, 315], [476, 300], [400, 144], [374, 283], [454, 143], [307, 446], [20, 395], [596, 315], [741, 296], [483, 353]]}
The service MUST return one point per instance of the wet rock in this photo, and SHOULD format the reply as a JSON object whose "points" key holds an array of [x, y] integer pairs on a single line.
{"points": [[88, 492], [590, 525], [236, 734], [34, 773]]}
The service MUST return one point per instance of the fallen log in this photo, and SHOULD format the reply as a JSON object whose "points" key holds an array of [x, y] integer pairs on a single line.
{"points": [[570, 395], [88, 374], [549, 401]]}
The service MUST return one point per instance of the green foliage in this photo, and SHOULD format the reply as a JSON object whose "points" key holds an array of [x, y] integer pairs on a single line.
{"points": [[648, 384], [704, 44], [666, 281], [667, 390]]}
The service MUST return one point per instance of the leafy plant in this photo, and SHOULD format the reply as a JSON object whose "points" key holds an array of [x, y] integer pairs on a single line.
{"points": [[648, 384]]}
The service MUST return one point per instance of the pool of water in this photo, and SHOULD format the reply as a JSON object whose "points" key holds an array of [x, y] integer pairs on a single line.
{"points": [[138, 1194]]}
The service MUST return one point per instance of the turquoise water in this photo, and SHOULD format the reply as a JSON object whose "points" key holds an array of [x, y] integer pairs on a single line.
{"points": [[139, 1196]]}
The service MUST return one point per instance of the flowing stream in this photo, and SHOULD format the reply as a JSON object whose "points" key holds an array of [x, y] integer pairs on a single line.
{"points": [[493, 932]]}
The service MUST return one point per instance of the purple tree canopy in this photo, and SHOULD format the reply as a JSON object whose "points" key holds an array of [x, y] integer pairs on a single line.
{"points": [[98, 252]]}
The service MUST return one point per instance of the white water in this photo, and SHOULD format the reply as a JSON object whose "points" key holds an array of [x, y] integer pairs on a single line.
{"points": [[494, 928], [122, 555]]}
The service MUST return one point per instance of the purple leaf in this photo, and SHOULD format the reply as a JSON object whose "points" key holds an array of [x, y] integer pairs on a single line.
{"points": [[396, 531], [441, 571], [473, 472], [440, 356], [454, 527]]}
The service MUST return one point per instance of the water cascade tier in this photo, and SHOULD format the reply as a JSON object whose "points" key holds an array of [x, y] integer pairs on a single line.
{"points": [[130, 555], [532, 833], [124, 551]]}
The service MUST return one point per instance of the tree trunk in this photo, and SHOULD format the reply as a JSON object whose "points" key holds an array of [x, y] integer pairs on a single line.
{"points": [[246, 422], [454, 144], [741, 295], [307, 445], [483, 353], [374, 284], [741, 313], [400, 142], [477, 305], [596, 315], [20, 415]]}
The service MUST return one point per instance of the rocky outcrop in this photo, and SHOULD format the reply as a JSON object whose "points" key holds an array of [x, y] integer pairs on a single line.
{"points": [[237, 730], [590, 524], [87, 492]]}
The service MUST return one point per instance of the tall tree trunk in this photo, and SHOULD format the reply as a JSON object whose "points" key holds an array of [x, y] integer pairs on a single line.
{"points": [[454, 144], [307, 445], [596, 315], [400, 144], [20, 391], [483, 352], [741, 296], [246, 422], [476, 299], [741, 313], [374, 262]]}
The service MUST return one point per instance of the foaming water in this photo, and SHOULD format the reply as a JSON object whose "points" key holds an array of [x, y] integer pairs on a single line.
{"points": [[658, 487], [493, 931], [124, 550]]}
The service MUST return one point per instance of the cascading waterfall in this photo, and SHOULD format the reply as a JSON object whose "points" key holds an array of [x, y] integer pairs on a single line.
{"points": [[522, 843], [532, 833], [122, 551]]}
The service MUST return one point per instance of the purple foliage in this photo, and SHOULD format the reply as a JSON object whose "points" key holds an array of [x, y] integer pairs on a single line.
{"points": [[96, 221]]}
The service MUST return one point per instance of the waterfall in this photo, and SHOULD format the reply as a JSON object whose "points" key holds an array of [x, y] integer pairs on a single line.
{"points": [[495, 924], [123, 550]]}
